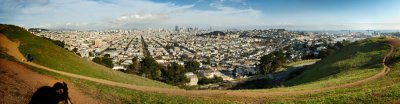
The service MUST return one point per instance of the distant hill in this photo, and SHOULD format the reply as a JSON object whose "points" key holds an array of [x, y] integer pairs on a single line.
{"points": [[214, 33], [37, 29]]}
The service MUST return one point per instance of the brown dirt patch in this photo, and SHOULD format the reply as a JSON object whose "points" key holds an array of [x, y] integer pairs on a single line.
{"points": [[394, 41], [10, 47]]}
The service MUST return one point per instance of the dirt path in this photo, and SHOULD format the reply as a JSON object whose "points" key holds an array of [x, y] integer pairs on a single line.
{"points": [[241, 96], [10, 47]]}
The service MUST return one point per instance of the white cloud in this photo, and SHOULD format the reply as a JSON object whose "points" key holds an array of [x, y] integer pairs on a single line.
{"points": [[124, 13], [223, 15], [141, 18], [87, 14]]}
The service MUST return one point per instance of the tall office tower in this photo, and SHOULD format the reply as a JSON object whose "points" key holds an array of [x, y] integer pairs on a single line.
{"points": [[176, 28]]}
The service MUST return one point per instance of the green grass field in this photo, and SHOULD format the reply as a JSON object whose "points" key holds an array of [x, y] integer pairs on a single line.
{"points": [[385, 89], [50, 55], [357, 61], [360, 60]]}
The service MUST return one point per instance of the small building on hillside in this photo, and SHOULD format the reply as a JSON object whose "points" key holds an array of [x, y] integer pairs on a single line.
{"points": [[119, 67], [192, 78]]}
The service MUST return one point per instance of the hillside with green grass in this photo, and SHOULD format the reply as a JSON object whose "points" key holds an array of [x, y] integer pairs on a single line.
{"points": [[50, 55], [359, 60]]}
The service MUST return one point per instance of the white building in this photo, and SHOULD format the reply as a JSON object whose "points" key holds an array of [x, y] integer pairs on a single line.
{"points": [[192, 78]]}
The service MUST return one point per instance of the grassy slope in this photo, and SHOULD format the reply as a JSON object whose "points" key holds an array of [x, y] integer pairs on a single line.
{"points": [[382, 90], [359, 60], [47, 54]]}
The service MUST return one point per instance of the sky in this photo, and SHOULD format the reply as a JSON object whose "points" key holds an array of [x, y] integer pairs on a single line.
{"points": [[290, 14]]}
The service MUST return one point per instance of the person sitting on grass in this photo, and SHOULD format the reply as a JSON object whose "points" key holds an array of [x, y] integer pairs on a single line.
{"points": [[29, 58]]}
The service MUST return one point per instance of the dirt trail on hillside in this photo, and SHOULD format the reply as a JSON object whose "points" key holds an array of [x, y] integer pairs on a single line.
{"points": [[239, 96], [11, 47]]}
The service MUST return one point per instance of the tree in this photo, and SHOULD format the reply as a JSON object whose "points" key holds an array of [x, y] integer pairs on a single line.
{"points": [[176, 74], [104, 61], [59, 43], [91, 54], [346, 42], [192, 65], [107, 55], [134, 67], [324, 53], [97, 60], [156, 74], [271, 62], [205, 80], [107, 62], [75, 50], [148, 66], [338, 44]]}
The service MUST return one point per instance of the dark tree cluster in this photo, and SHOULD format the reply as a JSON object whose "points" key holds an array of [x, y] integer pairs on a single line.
{"points": [[57, 42], [150, 68], [192, 65], [271, 62], [146, 51], [172, 45], [106, 61], [214, 33], [205, 80], [134, 68], [332, 48], [173, 74]]}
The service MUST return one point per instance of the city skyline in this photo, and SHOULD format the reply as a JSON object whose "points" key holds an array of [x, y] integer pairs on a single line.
{"points": [[229, 14]]}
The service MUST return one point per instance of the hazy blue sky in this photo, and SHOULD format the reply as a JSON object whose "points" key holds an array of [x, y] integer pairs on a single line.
{"points": [[294, 14]]}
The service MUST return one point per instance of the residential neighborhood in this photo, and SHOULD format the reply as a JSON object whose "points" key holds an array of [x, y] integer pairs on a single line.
{"points": [[231, 55]]}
